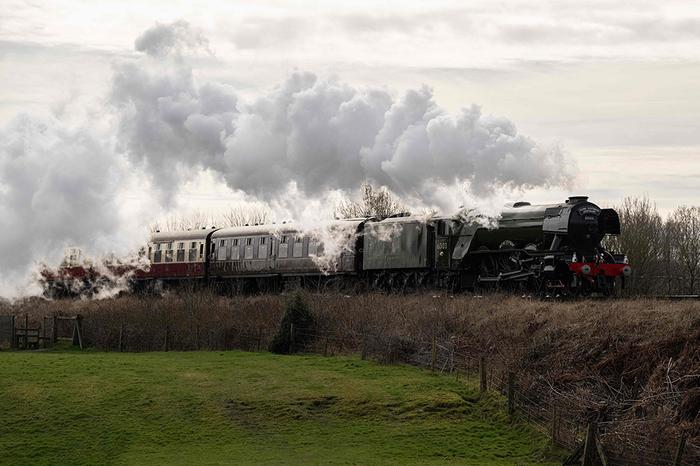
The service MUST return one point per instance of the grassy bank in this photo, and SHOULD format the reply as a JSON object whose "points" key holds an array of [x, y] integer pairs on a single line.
{"points": [[630, 364], [236, 407]]}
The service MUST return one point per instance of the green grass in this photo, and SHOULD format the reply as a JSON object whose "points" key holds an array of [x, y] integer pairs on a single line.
{"points": [[235, 407]]}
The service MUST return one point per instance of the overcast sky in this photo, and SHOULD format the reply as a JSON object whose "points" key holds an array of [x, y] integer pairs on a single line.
{"points": [[596, 97], [616, 84]]}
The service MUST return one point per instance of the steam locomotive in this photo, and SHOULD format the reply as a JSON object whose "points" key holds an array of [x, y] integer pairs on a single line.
{"points": [[552, 249]]}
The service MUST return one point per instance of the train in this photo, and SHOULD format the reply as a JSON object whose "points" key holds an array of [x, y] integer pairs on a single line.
{"points": [[550, 249]]}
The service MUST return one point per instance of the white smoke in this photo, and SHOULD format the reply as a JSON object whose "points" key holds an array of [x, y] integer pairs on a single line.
{"points": [[59, 186], [171, 39], [320, 133], [297, 147]]}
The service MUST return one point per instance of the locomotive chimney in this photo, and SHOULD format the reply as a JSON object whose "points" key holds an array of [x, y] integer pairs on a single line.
{"points": [[576, 199]]}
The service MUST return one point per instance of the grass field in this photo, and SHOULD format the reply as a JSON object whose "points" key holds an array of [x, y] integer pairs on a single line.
{"points": [[235, 407]]}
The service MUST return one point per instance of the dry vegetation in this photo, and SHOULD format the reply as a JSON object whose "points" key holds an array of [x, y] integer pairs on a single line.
{"points": [[633, 365]]}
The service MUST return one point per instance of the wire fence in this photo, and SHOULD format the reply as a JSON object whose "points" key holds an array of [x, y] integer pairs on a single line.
{"points": [[561, 414]]}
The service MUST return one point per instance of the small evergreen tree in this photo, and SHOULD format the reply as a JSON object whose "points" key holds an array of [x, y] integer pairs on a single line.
{"points": [[298, 313]]}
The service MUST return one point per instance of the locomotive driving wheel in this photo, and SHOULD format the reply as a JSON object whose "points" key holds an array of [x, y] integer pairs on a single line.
{"points": [[488, 266], [487, 269]]}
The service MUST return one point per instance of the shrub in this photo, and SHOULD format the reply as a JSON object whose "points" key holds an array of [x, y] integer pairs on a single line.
{"points": [[297, 313]]}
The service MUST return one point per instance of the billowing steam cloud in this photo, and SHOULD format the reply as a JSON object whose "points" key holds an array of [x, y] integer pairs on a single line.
{"points": [[57, 185], [321, 134], [60, 182]]}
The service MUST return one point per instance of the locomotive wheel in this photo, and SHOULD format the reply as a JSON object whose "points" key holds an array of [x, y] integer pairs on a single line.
{"points": [[377, 281], [488, 266]]}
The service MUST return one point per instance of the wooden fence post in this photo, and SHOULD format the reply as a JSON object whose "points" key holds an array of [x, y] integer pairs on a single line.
{"points": [[79, 329], [555, 425], [121, 337], [43, 332], [13, 338], [679, 451], [26, 331], [167, 331], [482, 374], [54, 329], [599, 446], [434, 355], [511, 393], [325, 347], [589, 445], [259, 343], [291, 338]]}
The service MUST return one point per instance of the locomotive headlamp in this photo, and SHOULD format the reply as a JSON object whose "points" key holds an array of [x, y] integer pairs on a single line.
{"points": [[586, 269], [627, 271]]}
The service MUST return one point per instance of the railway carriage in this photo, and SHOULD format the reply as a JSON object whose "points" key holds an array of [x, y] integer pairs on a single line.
{"points": [[177, 255], [268, 256]]}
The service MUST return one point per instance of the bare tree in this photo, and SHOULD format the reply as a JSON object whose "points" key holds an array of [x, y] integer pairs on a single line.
{"points": [[238, 215], [375, 202], [685, 225], [668, 263], [192, 221], [248, 214], [642, 240]]}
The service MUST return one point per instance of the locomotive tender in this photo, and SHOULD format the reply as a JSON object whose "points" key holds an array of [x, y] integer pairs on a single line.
{"points": [[552, 249]]}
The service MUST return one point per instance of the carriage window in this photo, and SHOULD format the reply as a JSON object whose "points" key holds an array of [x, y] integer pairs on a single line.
{"points": [[283, 250], [193, 245], [180, 246], [201, 249], [159, 246], [248, 251], [298, 250], [223, 250], [313, 247], [235, 251], [170, 246], [263, 250]]}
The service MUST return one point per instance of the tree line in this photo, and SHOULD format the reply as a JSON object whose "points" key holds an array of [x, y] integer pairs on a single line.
{"points": [[664, 252]]}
